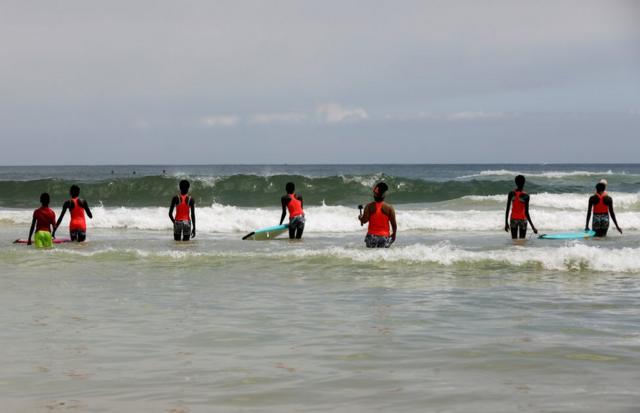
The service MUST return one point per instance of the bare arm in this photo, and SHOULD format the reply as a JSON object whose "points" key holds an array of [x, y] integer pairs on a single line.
{"points": [[586, 226], [33, 226], [526, 211], [173, 205], [193, 218], [364, 218], [65, 206], [613, 216], [392, 220], [85, 205], [284, 201], [506, 214]]}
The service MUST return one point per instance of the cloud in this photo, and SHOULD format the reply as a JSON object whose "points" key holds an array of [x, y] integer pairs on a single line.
{"points": [[465, 116], [141, 124], [336, 113], [219, 120], [286, 117], [471, 116]]}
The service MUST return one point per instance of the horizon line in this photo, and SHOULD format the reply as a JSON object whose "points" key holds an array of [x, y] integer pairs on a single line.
{"points": [[317, 164]]}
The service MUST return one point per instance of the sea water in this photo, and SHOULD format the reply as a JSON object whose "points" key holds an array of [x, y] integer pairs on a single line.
{"points": [[453, 318]]}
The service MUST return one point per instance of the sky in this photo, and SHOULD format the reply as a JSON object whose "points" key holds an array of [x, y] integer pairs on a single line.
{"points": [[296, 81]]}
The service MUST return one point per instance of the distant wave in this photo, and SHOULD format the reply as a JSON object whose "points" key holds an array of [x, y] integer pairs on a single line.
{"points": [[245, 190], [265, 191]]}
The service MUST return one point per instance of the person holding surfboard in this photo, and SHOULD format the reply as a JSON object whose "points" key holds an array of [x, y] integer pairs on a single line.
{"points": [[184, 225], [77, 208], [602, 205], [44, 223], [293, 203], [379, 215], [518, 203]]}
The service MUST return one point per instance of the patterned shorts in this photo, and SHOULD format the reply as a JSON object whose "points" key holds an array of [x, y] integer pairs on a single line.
{"points": [[297, 222], [600, 222], [182, 229], [519, 224], [377, 241]]}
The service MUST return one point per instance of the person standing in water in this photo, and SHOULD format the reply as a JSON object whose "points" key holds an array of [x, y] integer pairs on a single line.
{"points": [[184, 225], [293, 203], [379, 215], [518, 203], [77, 208], [602, 205], [44, 223]]}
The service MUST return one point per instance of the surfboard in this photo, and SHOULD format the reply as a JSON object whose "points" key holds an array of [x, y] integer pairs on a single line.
{"points": [[268, 233], [569, 235], [55, 241]]}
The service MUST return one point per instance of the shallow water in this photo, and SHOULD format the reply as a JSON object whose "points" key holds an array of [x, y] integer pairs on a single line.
{"points": [[453, 318], [132, 321]]}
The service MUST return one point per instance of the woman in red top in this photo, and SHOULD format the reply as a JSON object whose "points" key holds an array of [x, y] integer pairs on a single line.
{"points": [[602, 206], [77, 208], [44, 221], [520, 212], [379, 215], [184, 223], [292, 203]]}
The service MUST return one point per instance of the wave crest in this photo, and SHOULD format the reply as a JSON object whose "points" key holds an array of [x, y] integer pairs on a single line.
{"points": [[570, 257]]}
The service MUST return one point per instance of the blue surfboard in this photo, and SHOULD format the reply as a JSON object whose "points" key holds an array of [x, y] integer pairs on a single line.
{"points": [[268, 233], [569, 235]]}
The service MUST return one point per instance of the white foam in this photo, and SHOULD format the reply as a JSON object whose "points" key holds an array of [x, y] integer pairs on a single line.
{"points": [[571, 256], [546, 174], [330, 219], [368, 181], [567, 201]]}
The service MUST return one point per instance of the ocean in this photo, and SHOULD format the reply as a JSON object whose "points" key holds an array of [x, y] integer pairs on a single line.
{"points": [[454, 317]]}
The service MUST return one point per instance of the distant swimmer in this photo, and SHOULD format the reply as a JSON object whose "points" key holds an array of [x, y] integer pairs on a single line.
{"points": [[293, 203], [44, 223], [518, 202], [379, 215], [602, 206], [77, 208], [184, 225]]}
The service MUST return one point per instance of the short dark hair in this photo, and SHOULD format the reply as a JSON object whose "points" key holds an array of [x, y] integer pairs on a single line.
{"points": [[379, 191], [44, 199], [600, 187], [290, 187], [184, 186], [520, 181], [74, 191]]}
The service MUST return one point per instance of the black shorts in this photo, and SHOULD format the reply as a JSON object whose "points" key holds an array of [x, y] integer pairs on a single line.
{"points": [[519, 224], [78, 235]]}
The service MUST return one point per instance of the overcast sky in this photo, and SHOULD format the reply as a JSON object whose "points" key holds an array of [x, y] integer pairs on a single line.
{"points": [[210, 81]]}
